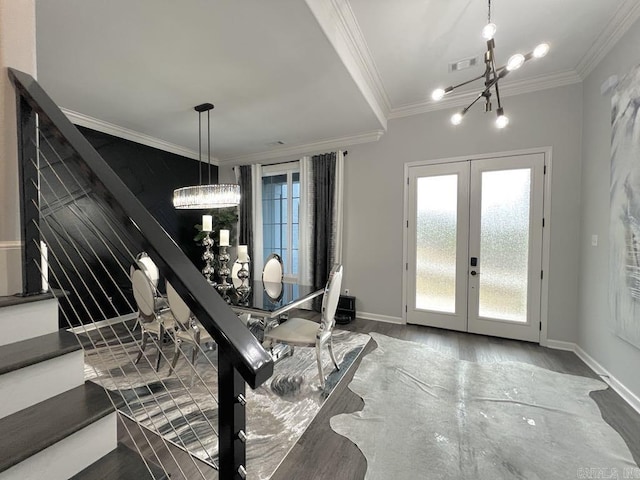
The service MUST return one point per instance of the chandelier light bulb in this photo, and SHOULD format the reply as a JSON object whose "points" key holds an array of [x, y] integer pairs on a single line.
{"points": [[541, 50], [437, 94], [515, 62], [456, 118], [502, 121], [489, 31]]}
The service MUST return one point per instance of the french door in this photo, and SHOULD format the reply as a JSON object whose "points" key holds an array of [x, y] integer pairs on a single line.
{"points": [[475, 245]]}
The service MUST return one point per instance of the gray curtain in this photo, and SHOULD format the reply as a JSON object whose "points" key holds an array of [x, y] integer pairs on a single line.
{"points": [[324, 171], [245, 235]]}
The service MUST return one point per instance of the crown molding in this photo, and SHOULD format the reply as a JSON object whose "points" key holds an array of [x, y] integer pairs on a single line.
{"points": [[128, 134], [625, 16], [304, 149], [339, 24], [542, 82]]}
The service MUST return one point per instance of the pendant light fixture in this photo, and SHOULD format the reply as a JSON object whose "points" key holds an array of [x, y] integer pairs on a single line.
{"points": [[207, 196], [491, 75]]}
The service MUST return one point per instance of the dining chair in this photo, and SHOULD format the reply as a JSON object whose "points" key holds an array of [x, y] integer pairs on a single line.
{"points": [[188, 330], [307, 333], [143, 262], [154, 322], [272, 271]]}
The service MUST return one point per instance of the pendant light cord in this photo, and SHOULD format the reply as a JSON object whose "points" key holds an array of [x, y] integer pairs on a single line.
{"points": [[199, 148], [209, 142], [489, 14]]}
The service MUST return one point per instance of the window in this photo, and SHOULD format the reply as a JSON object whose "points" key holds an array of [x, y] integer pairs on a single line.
{"points": [[280, 215]]}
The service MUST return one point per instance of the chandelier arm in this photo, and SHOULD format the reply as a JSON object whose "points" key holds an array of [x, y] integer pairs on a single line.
{"points": [[480, 95], [448, 89]]}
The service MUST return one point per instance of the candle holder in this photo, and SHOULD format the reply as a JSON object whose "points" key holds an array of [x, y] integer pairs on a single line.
{"points": [[224, 271], [208, 256], [243, 275]]}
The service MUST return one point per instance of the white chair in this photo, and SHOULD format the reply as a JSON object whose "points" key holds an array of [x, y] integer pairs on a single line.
{"points": [[144, 263], [272, 277], [188, 330], [153, 322], [272, 271], [306, 333]]}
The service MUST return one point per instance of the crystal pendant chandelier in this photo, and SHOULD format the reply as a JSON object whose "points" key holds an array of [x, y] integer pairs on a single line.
{"points": [[491, 75], [208, 196]]}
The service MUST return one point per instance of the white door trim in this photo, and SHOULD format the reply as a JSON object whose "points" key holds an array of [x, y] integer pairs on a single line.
{"points": [[546, 231]]}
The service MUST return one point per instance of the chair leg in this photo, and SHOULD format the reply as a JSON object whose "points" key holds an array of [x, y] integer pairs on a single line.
{"points": [[333, 357], [176, 355], [194, 355], [142, 347], [159, 359], [319, 359]]}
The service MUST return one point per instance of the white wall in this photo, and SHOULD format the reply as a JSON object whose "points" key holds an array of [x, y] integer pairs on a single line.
{"points": [[17, 50], [595, 336], [374, 194]]}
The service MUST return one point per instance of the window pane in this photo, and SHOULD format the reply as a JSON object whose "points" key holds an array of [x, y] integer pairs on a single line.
{"points": [[504, 244], [437, 210]]}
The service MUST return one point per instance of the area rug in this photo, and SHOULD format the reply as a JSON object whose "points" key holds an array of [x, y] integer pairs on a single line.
{"points": [[427, 415], [180, 406]]}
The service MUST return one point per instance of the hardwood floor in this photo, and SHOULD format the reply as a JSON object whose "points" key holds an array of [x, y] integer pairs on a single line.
{"points": [[323, 454]]}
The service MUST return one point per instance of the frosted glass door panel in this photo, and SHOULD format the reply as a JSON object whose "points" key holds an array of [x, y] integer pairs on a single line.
{"points": [[504, 244], [436, 240]]}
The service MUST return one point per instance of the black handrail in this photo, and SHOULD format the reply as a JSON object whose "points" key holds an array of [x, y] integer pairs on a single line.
{"points": [[236, 343]]}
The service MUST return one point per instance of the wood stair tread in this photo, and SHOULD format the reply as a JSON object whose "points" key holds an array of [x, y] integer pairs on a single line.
{"points": [[35, 350], [121, 464], [8, 301], [36, 428]]}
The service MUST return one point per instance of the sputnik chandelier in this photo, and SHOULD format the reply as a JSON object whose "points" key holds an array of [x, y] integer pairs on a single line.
{"points": [[491, 75]]}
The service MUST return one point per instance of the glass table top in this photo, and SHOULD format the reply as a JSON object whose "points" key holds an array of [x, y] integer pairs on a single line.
{"points": [[272, 297]]}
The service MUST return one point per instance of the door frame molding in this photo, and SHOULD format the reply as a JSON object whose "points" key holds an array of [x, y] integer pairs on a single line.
{"points": [[546, 231]]}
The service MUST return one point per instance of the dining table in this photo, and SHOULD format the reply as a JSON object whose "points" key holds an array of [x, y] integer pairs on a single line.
{"points": [[271, 299]]}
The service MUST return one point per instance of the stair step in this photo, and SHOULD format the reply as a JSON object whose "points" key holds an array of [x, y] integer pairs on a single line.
{"points": [[34, 429], [22, 318], [121, 464], [39, 349], [33, 370]]}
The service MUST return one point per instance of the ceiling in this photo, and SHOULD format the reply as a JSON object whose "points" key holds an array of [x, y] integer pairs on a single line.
{"points": [[314, 75]]}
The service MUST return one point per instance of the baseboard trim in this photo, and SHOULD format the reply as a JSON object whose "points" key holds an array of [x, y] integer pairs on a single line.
{"points": [[380, 318], [628, 396], [561, 345]]}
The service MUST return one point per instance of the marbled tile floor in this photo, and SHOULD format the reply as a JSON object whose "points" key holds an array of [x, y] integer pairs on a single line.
{"points": [[181, 406]]}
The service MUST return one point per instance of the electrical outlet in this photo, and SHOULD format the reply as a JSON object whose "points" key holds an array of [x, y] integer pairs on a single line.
{"points": [[346, 291]]}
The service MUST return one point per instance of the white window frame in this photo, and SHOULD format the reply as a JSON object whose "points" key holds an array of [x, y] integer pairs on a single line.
{"points": [[289, 169]]}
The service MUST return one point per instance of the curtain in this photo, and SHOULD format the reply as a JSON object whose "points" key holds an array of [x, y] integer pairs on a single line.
{"points": [[323, 251], [257, 260], [306, 222], [245, 220]]}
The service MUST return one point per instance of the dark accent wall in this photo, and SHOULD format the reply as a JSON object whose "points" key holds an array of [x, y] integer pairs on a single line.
{"points": [[73, 216], [152, 175]]}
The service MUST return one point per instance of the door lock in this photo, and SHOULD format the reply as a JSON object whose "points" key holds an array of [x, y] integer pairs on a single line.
{"points": [[474, 273]]}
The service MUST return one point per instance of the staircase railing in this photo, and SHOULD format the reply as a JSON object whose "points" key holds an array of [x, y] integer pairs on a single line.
{"points": [[89, 266]]}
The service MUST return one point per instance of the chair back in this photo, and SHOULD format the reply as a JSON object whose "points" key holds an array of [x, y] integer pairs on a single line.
{"points": [[331, 298], [179, 309], [144, 263], [143, 294], [272, 271]]}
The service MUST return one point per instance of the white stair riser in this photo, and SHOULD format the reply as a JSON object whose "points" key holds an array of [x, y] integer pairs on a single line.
{"points": [[28, 320], [69, 456], [33, 384]]}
